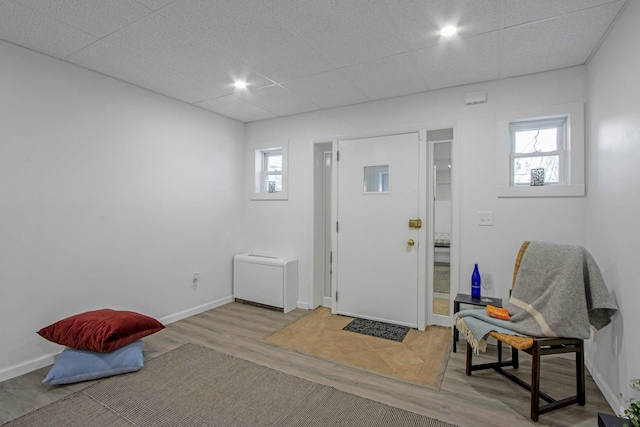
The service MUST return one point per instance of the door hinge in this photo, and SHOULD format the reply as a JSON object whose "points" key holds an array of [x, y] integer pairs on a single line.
{"points": [[337, 156], [336, 296], [337, 227], [330, 256]]}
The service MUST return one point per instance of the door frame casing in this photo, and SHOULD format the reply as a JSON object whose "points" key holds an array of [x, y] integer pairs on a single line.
{"points": [[425, 240], [433, 318], [425, 310]]}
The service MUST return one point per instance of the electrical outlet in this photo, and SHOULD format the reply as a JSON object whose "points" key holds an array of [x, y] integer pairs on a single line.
{"points": [[485, 218], [194, 279]]}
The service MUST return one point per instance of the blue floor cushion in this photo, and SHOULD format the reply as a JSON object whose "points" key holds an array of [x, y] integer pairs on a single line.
{"points": [[73, 365]]}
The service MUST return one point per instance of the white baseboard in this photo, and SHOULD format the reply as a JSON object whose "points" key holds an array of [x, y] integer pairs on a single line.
{"points": [[327, 302], [30, 366], [47, 359], [303, 305], [612, 398], [195, 310]]}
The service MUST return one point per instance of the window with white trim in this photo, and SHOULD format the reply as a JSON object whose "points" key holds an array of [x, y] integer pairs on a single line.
{"points": [[540, 151], [538, 144], [270, 174]]}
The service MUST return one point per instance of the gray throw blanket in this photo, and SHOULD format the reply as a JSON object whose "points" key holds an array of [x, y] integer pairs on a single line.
{"points": [[559, 291], [475, 325]]}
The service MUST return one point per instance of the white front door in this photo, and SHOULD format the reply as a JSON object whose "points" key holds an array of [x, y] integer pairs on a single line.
{"points": [[377, 251]]}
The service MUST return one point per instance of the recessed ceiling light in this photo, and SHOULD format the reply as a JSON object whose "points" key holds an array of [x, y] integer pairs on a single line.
{"points": [[449, 30], [240, 84]]}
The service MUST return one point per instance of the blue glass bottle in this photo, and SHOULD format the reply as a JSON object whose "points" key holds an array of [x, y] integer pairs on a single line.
{"points": [[475, 282]]}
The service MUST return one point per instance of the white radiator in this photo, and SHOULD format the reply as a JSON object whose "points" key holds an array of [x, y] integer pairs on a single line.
{"points": [[266, 280]]}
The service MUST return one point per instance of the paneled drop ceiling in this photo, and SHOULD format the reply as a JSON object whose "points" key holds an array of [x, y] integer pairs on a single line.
{"points": [[305, 55]]}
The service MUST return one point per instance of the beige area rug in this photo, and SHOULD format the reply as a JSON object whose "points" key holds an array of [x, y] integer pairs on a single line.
{"points": [[420, 358], [197, 386]]}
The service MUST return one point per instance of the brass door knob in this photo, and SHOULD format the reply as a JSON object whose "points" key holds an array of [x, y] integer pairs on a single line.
{"points": [[410, 242]]}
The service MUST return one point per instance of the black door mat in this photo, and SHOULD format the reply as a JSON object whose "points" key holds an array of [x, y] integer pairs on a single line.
{"points": [[377, 329]]}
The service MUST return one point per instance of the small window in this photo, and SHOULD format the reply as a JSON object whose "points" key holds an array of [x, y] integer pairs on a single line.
{"points": [[538, 144], [540, 151], [272, 170], [376, 179], [270, 174]]}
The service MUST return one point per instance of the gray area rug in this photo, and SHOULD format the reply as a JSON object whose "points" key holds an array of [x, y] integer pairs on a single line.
{"points": [[377, 329], [196, 386]]}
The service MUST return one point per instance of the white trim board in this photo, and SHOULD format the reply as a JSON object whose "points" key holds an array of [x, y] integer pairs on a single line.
{"points": [[612, 398], [48, 359], [195, 310]]}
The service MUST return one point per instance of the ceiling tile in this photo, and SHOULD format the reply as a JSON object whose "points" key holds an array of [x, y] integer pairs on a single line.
{"points": [[420, 21], [119, 63], [554, 43], [247, 31], [236, 108], [163, 42], [304, 55], [31, 29], [278, 100], [97, 17], [463, 61], [326, 90], [522, 11], [387, 77], [343, 32], [154, 4]]}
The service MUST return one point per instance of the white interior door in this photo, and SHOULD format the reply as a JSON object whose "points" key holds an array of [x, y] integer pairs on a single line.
{"points": [[377, 252]]}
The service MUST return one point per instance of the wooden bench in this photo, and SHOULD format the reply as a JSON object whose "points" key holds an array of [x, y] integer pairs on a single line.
{"points": [[536, 347]]}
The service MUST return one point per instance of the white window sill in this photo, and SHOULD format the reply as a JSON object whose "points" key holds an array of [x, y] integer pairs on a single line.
{"points": [[281, 195], [541, 191]]}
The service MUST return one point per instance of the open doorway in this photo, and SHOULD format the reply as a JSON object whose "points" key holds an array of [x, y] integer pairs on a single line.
{"points": [[442, 226], [441, 209], [321, 283]]}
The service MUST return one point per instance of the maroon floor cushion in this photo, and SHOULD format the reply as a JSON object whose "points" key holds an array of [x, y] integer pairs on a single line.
{"points": [[101, 330]]}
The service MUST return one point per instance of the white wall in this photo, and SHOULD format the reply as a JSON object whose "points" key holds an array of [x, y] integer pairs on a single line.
{"points": [[110, 196], [613, 198], [287, 226]]}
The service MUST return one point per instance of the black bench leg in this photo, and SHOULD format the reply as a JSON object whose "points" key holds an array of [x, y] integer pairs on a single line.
{"points": [[580, 381], [469, 359], [535, 381]]}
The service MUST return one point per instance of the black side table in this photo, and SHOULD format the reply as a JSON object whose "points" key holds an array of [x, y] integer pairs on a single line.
{"points": [[468, 299], [606, 420]]}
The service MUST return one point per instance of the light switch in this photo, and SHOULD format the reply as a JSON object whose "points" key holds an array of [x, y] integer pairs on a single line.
{"points": [[485, 218]]}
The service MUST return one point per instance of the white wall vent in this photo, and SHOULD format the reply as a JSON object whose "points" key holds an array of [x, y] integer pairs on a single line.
{"points": [[473, 98]]}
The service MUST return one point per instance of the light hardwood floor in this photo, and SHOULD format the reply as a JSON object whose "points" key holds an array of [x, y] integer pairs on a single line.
{"points": [[484, 399]]}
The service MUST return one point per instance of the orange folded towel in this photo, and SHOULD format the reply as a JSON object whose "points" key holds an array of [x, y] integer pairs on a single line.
{"points": [[498, 312]]}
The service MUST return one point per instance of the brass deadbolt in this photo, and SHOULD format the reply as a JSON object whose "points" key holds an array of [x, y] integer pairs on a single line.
{"points": [[415, 223]]}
